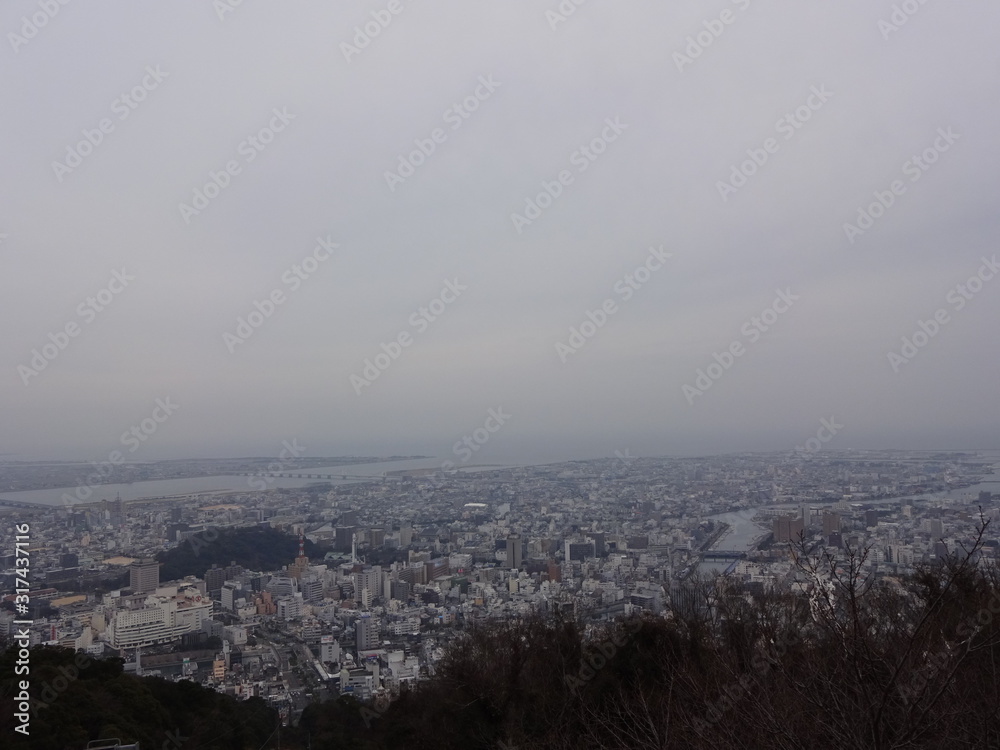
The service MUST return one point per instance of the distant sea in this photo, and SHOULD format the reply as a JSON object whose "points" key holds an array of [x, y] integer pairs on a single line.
{"points": [[168, 488]]}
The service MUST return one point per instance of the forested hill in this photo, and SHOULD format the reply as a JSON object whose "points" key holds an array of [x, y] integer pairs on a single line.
{"points": [[101, 701], [255, 548]]}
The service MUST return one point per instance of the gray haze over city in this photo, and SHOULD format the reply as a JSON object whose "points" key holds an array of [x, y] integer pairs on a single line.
{"points": [[668, 228]]}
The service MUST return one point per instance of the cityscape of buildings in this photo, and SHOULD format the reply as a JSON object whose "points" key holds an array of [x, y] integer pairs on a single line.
{"points": [[407, 561]]}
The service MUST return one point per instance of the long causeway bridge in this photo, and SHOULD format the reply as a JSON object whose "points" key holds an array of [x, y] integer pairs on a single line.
{"points": [[293, 475]]}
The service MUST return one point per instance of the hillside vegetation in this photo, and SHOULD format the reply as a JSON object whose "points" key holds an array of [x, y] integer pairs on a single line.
{"points": [[255, 548], [100, 701]]}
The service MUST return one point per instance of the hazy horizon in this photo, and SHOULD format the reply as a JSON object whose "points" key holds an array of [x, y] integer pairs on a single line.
{"points": [[513, 459]]}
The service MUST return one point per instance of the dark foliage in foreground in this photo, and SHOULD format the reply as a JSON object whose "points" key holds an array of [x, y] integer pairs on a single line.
{"points": [[100, 702], [847, 663]]}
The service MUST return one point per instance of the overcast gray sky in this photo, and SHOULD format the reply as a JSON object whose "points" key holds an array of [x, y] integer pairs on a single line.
{"points": [[810, 111]]}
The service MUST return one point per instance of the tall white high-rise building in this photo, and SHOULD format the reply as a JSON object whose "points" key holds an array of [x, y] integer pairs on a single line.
{"points": [[366, 631], [368, 585]]}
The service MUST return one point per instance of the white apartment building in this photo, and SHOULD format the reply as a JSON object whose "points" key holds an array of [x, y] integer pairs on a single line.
{"points": [[164, 617], [290, 607]]}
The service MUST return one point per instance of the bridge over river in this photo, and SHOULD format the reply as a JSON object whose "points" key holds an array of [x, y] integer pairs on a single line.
{"points": [[724, 554]]}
